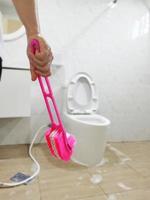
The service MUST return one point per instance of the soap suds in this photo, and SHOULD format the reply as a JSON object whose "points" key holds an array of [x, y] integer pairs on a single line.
{"points": [[123, 157], [123, 186], [99, 171], [80, 178], [103, 162], [123, 160], [112, 197], [33, 167], [96, 179], [116, 151]]}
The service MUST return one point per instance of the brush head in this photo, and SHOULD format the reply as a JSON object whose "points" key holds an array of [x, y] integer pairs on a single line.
{"points": [[60, 146]]}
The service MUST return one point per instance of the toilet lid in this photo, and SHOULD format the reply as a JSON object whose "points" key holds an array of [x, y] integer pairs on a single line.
{"points": [[81, 95]]}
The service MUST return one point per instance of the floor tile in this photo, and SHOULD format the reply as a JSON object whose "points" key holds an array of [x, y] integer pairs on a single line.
{"points": [[9, 167], [135, 150], [120, 178], [13, 151], [47, 161], [142, 194], [122, 175], [24, 192], [95, 198], [141, 167], [64, 184]]}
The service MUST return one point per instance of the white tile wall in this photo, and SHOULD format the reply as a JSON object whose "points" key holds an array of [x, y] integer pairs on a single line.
{"points": [[15, 94], [113, 45], [22, 130]]}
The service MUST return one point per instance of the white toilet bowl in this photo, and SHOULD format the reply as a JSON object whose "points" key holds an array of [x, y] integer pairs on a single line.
{"points": [[81, 120]]}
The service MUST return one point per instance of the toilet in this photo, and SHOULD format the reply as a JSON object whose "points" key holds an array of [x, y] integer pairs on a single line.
{"points": [[81, 119]]}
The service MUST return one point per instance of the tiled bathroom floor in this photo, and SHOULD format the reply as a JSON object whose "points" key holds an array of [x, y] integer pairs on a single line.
{"points": [[124, 174]]}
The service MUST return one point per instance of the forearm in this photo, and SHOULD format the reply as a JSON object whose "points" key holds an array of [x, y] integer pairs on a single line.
{"points": [[26, 10]]}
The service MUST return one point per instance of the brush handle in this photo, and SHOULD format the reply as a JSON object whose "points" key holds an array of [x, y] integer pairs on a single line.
{"points": [[46, 97], [35, 47]]}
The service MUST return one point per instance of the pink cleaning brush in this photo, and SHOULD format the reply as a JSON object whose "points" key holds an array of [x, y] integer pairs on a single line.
{"points": [[60, 143]]}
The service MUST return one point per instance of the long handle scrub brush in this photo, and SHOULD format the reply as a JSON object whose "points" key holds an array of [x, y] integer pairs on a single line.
{"points": [[60, 143]]}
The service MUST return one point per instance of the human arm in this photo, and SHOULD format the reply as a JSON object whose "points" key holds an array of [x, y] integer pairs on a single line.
{"points": [[40, 62]]}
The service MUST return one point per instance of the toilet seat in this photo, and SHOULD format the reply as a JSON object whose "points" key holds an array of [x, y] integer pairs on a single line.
{"points": [[81, 95]]}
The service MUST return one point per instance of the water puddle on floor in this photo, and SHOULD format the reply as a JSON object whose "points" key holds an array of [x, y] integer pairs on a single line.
{"points": [[112, 197], [123, 186], [122, 158], [112, 157], [96, 179]]}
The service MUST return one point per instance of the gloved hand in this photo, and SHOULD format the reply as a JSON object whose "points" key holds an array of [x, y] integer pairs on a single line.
{"points": [[40, 62]]}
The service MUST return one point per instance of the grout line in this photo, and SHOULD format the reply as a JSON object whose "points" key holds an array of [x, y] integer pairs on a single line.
{"points": [[117, 151], [38, 179], [138, 173]]}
